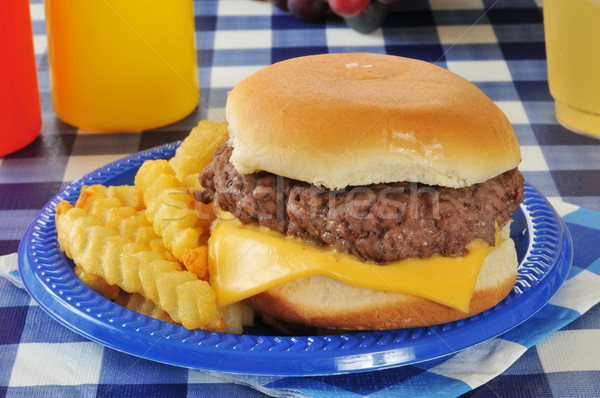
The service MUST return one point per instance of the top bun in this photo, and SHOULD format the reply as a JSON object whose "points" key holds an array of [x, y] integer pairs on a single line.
{"points": [[338, 120]]}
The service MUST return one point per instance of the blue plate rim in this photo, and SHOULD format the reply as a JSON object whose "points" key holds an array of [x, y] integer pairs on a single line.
{"points": [[49, 279]]}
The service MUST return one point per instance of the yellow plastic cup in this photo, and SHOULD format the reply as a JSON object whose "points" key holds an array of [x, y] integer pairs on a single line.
{"points": [[122, 66], [572, 30]]}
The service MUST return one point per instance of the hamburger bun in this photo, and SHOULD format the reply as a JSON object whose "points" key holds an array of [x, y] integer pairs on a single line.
{"points": [[324, 302], [338, 120]]}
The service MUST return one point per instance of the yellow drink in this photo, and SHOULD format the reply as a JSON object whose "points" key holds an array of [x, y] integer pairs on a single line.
{"points": [[122, 65], [572, 29]]}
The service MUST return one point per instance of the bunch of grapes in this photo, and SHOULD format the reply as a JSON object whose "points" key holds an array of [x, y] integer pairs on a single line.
{"points": [[361, 15]]}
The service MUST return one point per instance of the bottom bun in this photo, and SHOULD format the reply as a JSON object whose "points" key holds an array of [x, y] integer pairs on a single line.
{"points": [[324, 302]]}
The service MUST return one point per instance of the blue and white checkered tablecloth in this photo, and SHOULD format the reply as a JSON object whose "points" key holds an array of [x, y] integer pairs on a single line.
{"points": [[497, 44]]}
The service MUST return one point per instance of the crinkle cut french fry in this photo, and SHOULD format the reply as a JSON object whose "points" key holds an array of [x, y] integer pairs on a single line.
{"points": [[196, 261], [97, 283], [101, 250], [123, 298], [116, 211], [166, 281], [170, 209], [148, 276], [138, 303], [247, 315], [127, 195], [132, 301], [195, 152], [196, 298], [233, 318]]}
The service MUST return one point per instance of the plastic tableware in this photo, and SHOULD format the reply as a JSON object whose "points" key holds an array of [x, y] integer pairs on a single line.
{"points": [[543, 247]]}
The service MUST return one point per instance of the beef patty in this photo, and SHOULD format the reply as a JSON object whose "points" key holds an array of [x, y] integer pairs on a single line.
{"points": [[377, 223]]}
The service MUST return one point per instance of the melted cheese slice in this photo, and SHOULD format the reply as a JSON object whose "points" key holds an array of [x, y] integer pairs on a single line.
{"points": [[245, 260]]}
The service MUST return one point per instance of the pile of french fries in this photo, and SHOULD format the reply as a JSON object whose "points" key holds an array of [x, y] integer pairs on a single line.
{"points": [[144, 246]]}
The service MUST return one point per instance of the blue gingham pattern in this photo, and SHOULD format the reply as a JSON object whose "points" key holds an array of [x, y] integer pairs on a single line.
{"points": [[54, 360], [497, 44]]}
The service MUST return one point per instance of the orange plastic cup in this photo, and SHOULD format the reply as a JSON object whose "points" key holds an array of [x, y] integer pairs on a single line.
{"points": [[20, 113], [122, 66]]}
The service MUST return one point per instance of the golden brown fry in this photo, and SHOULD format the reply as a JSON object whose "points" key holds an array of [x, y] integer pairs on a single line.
{"points": [[118, 208], [100, 250], [135, 302], [121, 243], [138, 303], [247, 315], [171, 209], [122, 298], [127, 195], [197, 261], [196, 300], [233, 318], [96, 283], [195, 152]]}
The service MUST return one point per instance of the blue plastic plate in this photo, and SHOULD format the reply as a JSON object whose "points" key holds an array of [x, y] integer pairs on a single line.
{"points": [[544, 251]]}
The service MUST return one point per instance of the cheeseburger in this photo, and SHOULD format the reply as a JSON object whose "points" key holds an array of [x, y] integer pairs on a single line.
{"points": [[363, 191]]}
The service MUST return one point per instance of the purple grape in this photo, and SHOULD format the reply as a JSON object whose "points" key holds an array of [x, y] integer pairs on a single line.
{"points": [[281, 4], [308, 10]]}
